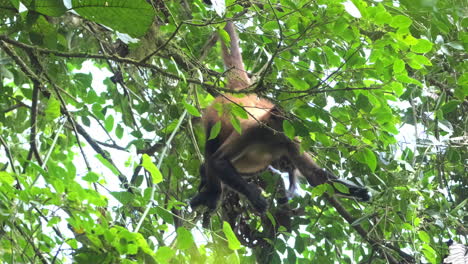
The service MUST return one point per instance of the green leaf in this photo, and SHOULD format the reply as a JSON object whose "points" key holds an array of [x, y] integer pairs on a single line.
{"points": [[270, 25], [224, 37], [151, 168], [233, 258], [6, 177], [123, 197], [191, 109], [52, 110], [341, 187], [422, 60], [459, 206], [239, 111], [131, 17], [429, 253], [383, 17], [319, 190], [366, 156], [401, 22], [236, 124], [91, 177], [108, 164], [298, 84], [398, 65], [214, 131], [46, 7], [119, 131], [164, 254], [422, 46], [184, 238], [271, 218], [233, 242], [424, 236], [397, 88], [73, 243], [450, 106], [289, 129], [109, 123]]}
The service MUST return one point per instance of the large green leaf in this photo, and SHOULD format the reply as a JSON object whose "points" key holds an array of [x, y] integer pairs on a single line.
{"points": [[131, 17], [233, 242], [46, 7]]}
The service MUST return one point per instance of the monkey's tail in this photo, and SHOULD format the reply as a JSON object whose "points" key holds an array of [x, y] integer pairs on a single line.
{"points": [[235, 72], [292, 184]]}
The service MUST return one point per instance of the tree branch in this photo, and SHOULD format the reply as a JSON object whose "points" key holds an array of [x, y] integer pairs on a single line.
{"points": [[377, 245], [115, 58]]}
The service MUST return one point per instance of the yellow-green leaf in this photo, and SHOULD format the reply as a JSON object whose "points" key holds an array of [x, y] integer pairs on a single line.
{"points": [[53, 108], [289, 129], [214, 131], [236, 124], [184, 238], [224, 37], [6, 177], [151, 168], [191, 109], [398, 65], [401, 22], [233, 242], [164, 254], [422, 46], [424, 236]]}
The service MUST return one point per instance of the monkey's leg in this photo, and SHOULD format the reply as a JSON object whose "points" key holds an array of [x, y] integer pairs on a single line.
{"points": [[316, 175], [229, 176], [240, 147], [209, 190]]}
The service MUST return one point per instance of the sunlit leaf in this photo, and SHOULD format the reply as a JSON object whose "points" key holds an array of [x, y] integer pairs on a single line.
{"points": [[151, 168], [53, 108], [164, 254], [6, 178], [191, 109], [289, 129], [215, 130], [109, 123], [398, 65], [422, 46], [184, 238], [233, 242], [91, 177], [236, 124], [401, 21]]}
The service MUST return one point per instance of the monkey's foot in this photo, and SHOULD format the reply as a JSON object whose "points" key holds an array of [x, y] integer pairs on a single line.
{"points": [[355, 191]]}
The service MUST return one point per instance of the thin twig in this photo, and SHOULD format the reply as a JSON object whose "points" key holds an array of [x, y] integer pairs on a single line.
{"points": [[161, 158], [363, 233], [8, 153]]}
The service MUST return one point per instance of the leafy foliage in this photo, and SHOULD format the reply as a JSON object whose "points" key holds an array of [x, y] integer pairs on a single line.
{"points": [[93, 92]]}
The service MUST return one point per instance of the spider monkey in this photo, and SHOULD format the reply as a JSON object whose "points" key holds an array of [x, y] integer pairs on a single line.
{"points": [[232, 155]]}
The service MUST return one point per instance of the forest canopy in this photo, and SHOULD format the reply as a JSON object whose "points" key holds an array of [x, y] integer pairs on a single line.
{"points": [[101, 139]]}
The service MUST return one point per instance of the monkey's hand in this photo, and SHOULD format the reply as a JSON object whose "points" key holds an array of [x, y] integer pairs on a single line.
{"points": [[256, 199], [208, 199]]}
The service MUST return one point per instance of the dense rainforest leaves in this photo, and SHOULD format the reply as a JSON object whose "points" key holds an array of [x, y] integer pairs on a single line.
{"points": [[92, 92]]}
